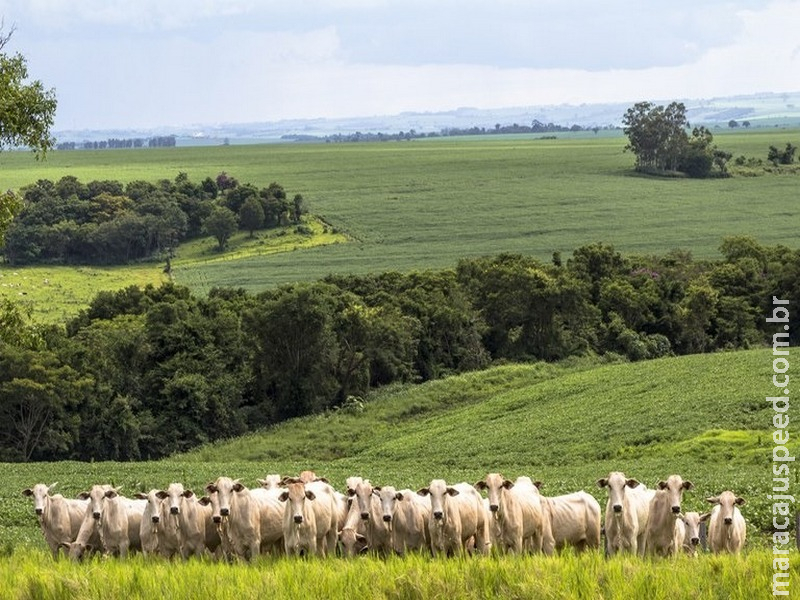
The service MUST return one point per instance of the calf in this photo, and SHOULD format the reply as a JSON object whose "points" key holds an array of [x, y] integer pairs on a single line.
{"points": [[377, 530], [691, 524], [627, 511], [60, 518], [665, 508], [726, 529]]}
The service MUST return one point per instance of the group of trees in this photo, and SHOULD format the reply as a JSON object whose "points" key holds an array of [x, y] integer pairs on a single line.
{"points": [[658, 136], [106, 222], [161, 141], [143, 373]]}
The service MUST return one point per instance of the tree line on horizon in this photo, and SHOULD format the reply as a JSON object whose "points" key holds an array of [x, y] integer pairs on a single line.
{"points": [[143, 373]]}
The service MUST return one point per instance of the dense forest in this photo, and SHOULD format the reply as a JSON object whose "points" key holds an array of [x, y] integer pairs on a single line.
{"points": [[143, 373], [106, 222]]}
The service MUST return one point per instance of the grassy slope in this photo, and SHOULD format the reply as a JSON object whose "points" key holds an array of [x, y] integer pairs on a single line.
{"points": [[427, 203], [702, 416]]}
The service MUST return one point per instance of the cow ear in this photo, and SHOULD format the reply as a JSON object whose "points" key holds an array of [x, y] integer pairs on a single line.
{"points": [[399, 496], [538, 484], [376, 489], [111, 494], [602, 482], [205, 501], [740, 501], [423, 492], [508, 484], [161, 494], [704, 517], [262, 482], [211, 488], [83, 496], [237, 487], [662, 485], [187, 493], [27, 492], [713, 500], [688, 485], [632, 483], [451, 491], [480, 485], [311, 495], [140, 496], [284, 496], [322, 479], [51, 486]]}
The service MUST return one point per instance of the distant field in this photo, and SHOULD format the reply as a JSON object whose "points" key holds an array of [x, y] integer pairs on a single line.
{"points": [[427, 203]]}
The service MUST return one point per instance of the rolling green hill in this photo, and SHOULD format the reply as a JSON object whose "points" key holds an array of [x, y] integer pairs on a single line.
{"points": [[703, 416]]}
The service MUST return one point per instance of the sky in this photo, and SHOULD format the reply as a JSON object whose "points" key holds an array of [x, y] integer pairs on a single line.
{"points": [[128, 64]]}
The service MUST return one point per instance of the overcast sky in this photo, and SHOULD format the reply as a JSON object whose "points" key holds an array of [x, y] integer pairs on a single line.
{"points": [[151, 63]]}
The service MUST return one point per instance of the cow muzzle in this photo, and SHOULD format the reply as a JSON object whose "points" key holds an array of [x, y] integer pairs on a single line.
{"points": [[676, 509], [156, 519], [695, 541], [96, 516], [728, 521], [298, 519], [173, 510], [39, 511], [225, 512], [618, 508], [387, 518], [438, 515], [365, 516], [216, 519], [493, 507]]}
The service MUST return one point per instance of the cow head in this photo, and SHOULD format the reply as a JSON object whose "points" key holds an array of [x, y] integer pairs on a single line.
{"points": [[388, 497], [352, 542], [616, 482], [173, 496], [674, 487], [363, 495], [224, 487], [494, 484], [727, 502], [271, 482], [692, 522], [438, 490], [295, 496], [41, 495]]}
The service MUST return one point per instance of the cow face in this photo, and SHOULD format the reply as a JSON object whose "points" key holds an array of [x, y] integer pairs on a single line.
{"points": [[494, 484], [295, 497], [616, 483], [363, 495], [389, 497], [271, 482], [41, 495], [674, 486], [96, 496], [692, 522], [353, 542], [438, 490], [213, 500], [224, 487], [173, 496], [727, 501]]}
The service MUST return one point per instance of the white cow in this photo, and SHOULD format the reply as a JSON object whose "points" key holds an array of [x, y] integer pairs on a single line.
{"points": [[457, 514], [726, 529], [271, 519], [188, 516], [154, 519], [571, 520], [691, 525], [377, 532], [60, 518], [299, 521], [515, 510], [217, 539], [241, 514], [89, 536], [406, 515], [665, 508], [120, 522], [627, 511]]}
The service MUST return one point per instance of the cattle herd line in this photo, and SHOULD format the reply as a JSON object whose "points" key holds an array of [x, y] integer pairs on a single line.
{"points": [[305, 515]]}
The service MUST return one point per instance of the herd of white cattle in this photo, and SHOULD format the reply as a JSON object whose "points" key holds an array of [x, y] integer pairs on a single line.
{"points": [[305, 515]]}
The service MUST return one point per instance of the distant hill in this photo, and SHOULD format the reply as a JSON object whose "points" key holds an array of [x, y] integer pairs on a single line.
{"points": [[761, 110]]}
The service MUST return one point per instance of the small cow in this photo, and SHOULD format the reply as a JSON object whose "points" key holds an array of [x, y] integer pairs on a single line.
{"points": [[665, 508], [457, 514], [151, 529], [691, 539], [299, 521], [406, 515], [241, 513], [60, 518], [377, 532], [189, 519], [627, 511], [726, 528], [515, 510]]}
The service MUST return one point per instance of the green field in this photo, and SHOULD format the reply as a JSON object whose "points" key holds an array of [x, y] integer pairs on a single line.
{"points": [[427, 203]]}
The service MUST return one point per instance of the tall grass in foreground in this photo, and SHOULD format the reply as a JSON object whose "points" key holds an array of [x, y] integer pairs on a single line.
{"points": [[33, 574]]}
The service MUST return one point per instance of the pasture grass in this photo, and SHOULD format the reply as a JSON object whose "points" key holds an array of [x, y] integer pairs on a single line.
{"points": [[34, 575], [428, 203]]}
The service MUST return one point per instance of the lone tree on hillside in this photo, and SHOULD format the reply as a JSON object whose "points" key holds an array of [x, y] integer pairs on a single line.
{"points": [[27, 110], [656, 135]]}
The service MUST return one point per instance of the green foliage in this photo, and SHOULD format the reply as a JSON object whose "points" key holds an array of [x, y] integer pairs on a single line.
{"points": [[221, 224]]}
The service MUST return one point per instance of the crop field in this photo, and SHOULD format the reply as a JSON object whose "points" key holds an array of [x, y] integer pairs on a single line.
{"points": [[426, 203]]}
